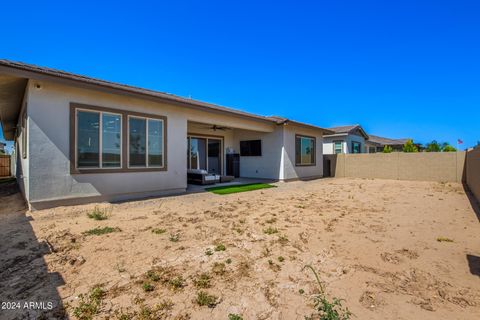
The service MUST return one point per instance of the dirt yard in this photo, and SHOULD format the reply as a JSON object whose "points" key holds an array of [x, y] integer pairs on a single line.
{"points": [[389, 249]]}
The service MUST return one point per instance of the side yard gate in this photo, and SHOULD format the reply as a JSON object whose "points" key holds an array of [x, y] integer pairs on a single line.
{"points": [[5, 166]]}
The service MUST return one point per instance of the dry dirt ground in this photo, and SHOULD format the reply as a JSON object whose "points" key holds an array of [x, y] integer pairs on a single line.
{"points": [[374, 244]]}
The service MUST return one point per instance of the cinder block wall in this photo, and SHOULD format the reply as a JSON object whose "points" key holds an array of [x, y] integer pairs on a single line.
{"points": [[473, 171], [442, 167]]}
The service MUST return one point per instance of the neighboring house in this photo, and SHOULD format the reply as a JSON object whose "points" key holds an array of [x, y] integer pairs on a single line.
{"points": [[81, 139], [377, 144], [346, 139]]}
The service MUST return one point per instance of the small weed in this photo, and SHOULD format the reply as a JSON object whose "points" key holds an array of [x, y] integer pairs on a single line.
{"points": [[272, 220], [88, 306], [120, 266], [147, 313], [208, 252], [202, 281], [281, 259], [283, 239], [443, 239], [219, 268], [158, 231], [270, 230], [175, 237], [98, 214], [275, 267], [124, 316], [242, 221], [233, 316], [266, 252], [148, 287], [301, 291], [326, 310], [100, 231], [205, 299], [177, 283], [228, 261], [220, 247], [165, 305], [152, 275]]}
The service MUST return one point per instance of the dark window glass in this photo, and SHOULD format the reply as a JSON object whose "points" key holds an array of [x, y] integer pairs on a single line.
{"points": [[251, 148], [356, 147], [338, 147], [304, 150], [111, 144], [137, 142], [88, 139], [155, 143]]}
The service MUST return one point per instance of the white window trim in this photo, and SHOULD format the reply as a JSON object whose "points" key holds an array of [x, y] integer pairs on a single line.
{"points": [[334, 147], [146, 142], [100, 139]]}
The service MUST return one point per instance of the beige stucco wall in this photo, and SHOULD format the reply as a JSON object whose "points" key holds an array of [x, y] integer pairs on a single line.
{"points": [[445, 166], [268, 165], [50, 181], [473, 171], [290, 170]]}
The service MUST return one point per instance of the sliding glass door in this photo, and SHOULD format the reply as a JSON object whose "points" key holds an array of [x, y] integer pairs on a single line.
{"points": [[205, 154], [214, 156]]}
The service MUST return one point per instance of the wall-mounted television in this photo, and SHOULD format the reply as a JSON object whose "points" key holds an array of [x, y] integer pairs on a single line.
{"points": [[251, 148]]}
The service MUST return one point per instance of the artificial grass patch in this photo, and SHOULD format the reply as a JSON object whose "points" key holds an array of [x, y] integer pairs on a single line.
{"points": [[239, 188]]}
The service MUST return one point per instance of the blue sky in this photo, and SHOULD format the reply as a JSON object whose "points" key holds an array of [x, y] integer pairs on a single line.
{"points": [[400, 69]]}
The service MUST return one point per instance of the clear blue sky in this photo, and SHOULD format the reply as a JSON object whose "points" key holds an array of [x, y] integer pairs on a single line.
{"points": [[400, 69]]}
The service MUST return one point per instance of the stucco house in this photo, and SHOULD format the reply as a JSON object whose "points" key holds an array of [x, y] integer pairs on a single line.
{"points": [[377, 144], [80, 139], [345, 139]]}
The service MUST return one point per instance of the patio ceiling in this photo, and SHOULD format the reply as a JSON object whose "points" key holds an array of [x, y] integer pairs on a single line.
{"points": [[12, 90]]}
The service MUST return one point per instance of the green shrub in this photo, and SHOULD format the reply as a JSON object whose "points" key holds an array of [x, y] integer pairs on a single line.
{"points": [[233, 316], [147, 287], [387, 149], [89, 306], [325, 309], [158, 231], [175, 237], [99, 231], [409, 146], [177, 283], [443, 239], [205, 299], [220, 247], [270, 230], [202, 281], [98, 214]]}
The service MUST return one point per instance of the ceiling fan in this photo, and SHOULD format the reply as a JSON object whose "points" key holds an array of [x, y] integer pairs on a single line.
{"points": [[215, 128]]}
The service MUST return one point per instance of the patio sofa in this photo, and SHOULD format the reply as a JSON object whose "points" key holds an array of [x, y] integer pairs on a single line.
{"points": [[199, 176]]}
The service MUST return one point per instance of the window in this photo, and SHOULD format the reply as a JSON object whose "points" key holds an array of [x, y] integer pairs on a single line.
{"points": [[372, 150], [109, 140], [338, 147], [251, 148], [98, 139], [356, 147], [145, 142], [304, 151]]}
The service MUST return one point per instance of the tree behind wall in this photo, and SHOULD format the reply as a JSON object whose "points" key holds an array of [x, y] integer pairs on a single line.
{"points": [[409, 146], [387, 149], [433, 146]]}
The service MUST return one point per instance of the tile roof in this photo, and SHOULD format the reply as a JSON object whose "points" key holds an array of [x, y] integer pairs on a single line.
{"points": [[386, 141], [141, 91]]}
